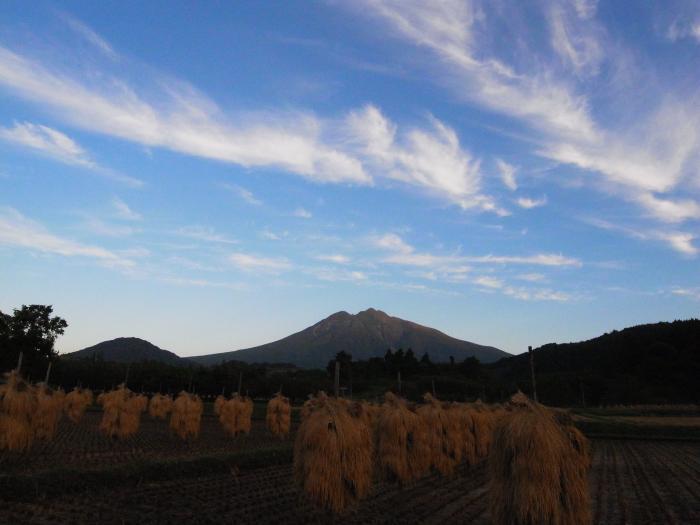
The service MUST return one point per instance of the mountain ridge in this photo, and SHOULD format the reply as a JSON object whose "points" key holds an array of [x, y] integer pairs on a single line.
{"points": [[368, 333]]}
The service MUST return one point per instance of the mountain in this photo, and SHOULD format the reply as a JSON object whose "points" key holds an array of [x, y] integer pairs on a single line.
{"points": [[128, 350], [651, 363], [367, 334]]}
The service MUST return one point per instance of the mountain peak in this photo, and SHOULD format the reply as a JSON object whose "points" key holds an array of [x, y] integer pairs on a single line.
{"points": [[364, 335]]}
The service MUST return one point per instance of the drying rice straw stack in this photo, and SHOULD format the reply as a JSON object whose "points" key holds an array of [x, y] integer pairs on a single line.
{"points": [[122, 412], [333, 454], [484, 421], [236, 415], [402, 441], [440, 443], [218, 403], [75, 403], [463, 417], [160, 406], [279, 415], [538, 472], [18, 403], [186, 416], [49, 409]]}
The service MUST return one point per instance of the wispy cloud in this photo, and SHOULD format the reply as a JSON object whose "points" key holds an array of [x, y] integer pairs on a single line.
{"points": [[89, 35], [334, 258], [507, 172], [20, 231], [650, 148], [256, 263], [123, 211], [58, 146], [430, 158], [679, 241], [529, 203], [405, 254], [181, 119], [203, 233], [48, 141], [242, 193], [692, 293], [302, 213]]}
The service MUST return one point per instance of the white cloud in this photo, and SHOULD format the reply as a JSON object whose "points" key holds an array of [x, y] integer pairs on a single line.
{"points": [[302, 213], [392, 242], [123, 210], [693, 293], [531, 277], [681, 242], [684, 28], [203, 233], [507, 174], [89, 35], [100, 227], [644, 148], [48, 141], [528, 203], [255, 263], [243, 193], [18, 230], [334, 258], [405, 254], [430, 158], [58, 146], [489, 282], [181, 119], [336, 274]]}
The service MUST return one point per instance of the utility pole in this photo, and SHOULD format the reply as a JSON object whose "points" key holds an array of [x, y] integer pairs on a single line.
{"points": [[337, 378], [532, 373]]}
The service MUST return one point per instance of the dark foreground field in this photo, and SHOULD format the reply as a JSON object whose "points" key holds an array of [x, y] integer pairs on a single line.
{"points": [[82, 477]]}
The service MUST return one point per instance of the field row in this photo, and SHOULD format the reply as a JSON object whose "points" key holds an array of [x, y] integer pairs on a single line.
{"points": [[631, 482], [83, 446]]}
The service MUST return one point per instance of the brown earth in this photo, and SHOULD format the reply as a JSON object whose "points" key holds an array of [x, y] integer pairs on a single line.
{"points": [[631, 482]]}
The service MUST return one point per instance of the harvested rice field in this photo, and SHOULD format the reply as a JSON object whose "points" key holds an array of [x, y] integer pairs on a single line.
{"points": [[631, 482]]}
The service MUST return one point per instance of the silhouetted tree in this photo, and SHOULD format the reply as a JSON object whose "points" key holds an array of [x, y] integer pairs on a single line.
{"points": [[31, 330]]}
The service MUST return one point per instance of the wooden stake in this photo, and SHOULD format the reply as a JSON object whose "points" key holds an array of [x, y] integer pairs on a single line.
{"points": [[240, 382], [48, 374], [126, 377], [433, 382], [337, 379], [398, 380], [19, 361], [532, 373]]}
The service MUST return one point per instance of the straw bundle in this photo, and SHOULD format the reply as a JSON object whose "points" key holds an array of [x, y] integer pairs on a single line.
{"points": [[49, 409], [333, 455], [484, 421], [18, 403], [235, 415], [122, 412], [441, 443], [218, 403], [538, 475], [402, 441], [186, 415], [279, 416], [160, 406], [460, 433], [75, 403]]}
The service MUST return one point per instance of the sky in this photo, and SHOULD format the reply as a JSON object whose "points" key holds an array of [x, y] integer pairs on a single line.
{"points": [[212, 176]]}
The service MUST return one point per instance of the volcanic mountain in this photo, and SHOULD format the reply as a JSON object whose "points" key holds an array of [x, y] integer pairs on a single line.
{"points": [[128, 350], [367, 334]]}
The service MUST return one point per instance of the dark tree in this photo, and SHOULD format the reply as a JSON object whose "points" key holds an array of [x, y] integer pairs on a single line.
{"points": [[32, 330]]}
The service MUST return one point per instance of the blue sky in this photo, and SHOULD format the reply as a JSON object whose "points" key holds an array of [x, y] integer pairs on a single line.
{"points": [[214, 177]]}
